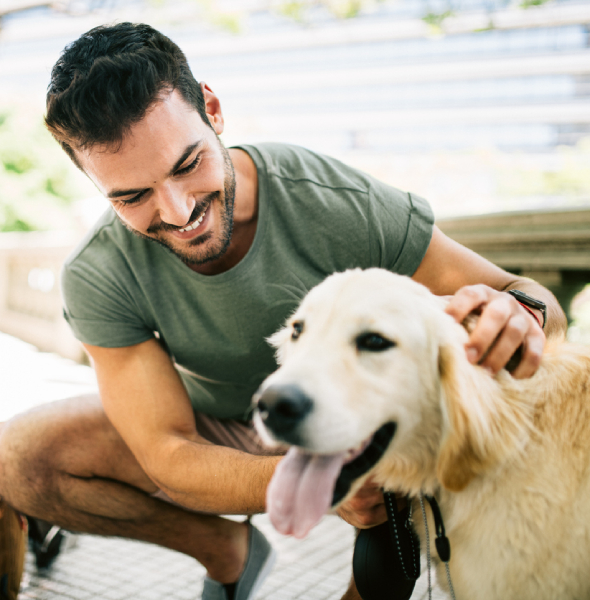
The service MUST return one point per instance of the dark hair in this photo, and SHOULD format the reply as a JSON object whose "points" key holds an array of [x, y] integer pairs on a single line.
{"points": [[107, 79]]}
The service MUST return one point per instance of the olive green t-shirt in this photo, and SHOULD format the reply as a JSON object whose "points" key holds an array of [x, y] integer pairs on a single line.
{"points": [[316, 216]]}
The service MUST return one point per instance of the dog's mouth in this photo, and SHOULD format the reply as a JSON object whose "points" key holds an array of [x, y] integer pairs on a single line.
{"points": [[363, 462], [306, 485]]}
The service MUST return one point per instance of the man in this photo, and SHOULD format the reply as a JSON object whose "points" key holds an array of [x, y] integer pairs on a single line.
{"points": [[204, 254]]}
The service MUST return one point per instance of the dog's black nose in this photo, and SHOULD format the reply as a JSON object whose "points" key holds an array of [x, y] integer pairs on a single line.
{"points": [[282, 408]]}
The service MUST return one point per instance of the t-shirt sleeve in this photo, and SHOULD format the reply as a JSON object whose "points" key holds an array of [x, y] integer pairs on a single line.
{"points": [[400, 226], [100, 311]]}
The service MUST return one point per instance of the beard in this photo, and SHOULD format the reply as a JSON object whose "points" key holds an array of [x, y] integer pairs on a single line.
{"points": [[216, 248]]}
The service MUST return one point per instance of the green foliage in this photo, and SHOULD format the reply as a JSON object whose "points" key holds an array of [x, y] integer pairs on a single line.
{"points": [[346, 9], [10, 221], [531, 3], [489, 27], [292, 10], [436, 19], [229, 22], [37, 180], [297, 10]]}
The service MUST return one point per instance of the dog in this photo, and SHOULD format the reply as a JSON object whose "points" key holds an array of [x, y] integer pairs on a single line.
{"points": [[370, 355]]}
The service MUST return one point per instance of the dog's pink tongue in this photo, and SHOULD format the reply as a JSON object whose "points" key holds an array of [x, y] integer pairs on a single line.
{"points": [[300, 492]]}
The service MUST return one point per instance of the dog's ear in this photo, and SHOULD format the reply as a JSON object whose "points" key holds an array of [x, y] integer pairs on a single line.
{"points": [[461, 456], [485, 418], [279, 342]]}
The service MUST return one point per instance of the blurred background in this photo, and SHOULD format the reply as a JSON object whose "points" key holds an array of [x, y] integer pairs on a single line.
{"points": [[480, 106]]}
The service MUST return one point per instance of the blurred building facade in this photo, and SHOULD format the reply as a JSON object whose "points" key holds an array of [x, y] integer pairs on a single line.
{"points": [[432, 105], [516, 79]]}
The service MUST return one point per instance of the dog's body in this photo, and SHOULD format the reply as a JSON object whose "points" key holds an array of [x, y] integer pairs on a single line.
{"points": [[507, 459]]}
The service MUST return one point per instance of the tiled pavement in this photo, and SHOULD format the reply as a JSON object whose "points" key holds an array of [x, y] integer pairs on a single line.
{"points": [[317, 568]]}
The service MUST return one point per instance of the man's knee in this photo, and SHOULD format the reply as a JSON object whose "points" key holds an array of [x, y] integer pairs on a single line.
{"points": [[33, 452], [23, 467]]}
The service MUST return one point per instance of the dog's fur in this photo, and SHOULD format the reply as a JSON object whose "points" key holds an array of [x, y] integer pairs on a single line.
{"points": [[507, 459]]}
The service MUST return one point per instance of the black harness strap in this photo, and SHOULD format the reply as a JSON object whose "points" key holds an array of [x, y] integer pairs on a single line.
{"points": [[405, 539]]}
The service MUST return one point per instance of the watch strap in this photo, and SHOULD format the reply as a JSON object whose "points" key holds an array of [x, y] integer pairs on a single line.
{"points": [[530, 311], [528, 303]]}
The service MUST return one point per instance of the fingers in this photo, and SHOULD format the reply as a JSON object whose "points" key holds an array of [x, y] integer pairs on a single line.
{"points": [[364, 519], [366, 508], [532, 353], [467, 300], [503, 327]]}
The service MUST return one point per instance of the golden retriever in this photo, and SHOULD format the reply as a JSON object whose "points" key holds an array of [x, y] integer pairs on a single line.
{"points": [[369, 356]]}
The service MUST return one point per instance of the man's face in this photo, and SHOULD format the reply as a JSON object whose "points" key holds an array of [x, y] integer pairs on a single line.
{"points": [[171, 180]]}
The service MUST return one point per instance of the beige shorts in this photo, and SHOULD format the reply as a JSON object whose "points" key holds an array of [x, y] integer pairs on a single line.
{"points": [[232, 434]]}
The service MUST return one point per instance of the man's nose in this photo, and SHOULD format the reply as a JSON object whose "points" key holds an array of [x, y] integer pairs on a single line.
{"points": [[174, 205]]}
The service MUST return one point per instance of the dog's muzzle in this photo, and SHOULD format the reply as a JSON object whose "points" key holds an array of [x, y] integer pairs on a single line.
{"points": [[283, 408]]}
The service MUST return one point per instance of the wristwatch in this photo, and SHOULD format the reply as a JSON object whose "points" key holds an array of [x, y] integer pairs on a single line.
{"points": [[530, 302]]}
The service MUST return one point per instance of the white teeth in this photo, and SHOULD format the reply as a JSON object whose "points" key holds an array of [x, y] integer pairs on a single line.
{"points": [[193, 225]]}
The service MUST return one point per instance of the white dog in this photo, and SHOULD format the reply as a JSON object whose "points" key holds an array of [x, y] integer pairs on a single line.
{"points": [[371, 359]]}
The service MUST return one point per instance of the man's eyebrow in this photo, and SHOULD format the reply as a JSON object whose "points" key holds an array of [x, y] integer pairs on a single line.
{"points": [[187, 152]]}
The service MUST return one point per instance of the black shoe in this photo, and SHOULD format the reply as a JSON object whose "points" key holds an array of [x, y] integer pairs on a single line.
{"points": [[45, 542]]}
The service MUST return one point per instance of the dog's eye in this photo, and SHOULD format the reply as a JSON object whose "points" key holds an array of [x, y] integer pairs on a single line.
{"points": [[297, 329], [373, 342]]}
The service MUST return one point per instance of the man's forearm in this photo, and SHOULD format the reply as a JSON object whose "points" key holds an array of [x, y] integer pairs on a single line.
{"points": [[213, 479], [556, 322]]}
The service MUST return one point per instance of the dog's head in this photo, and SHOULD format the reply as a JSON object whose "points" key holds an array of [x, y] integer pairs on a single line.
{"points": [[371, 381]]}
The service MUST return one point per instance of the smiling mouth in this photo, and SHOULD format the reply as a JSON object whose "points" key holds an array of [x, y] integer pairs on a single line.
{"points": [[196, 219], [195, 223], [364, 462]]}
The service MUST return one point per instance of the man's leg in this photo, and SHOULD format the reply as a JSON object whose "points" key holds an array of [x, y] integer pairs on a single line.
{"points": [[65, 463]]}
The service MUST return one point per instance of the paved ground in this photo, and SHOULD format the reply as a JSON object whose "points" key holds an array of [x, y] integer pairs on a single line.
{"points": [[317, 568]]}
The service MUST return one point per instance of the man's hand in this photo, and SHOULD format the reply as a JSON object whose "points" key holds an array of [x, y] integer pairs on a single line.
{"points": [[504, 326], [366, 508]]}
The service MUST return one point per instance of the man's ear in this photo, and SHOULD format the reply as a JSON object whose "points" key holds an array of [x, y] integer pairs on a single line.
{"points": [[213, 109], [460, 457]]}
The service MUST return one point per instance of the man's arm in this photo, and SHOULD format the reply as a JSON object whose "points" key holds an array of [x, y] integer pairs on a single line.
{"points": [[476, 284], [144, 398]]}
